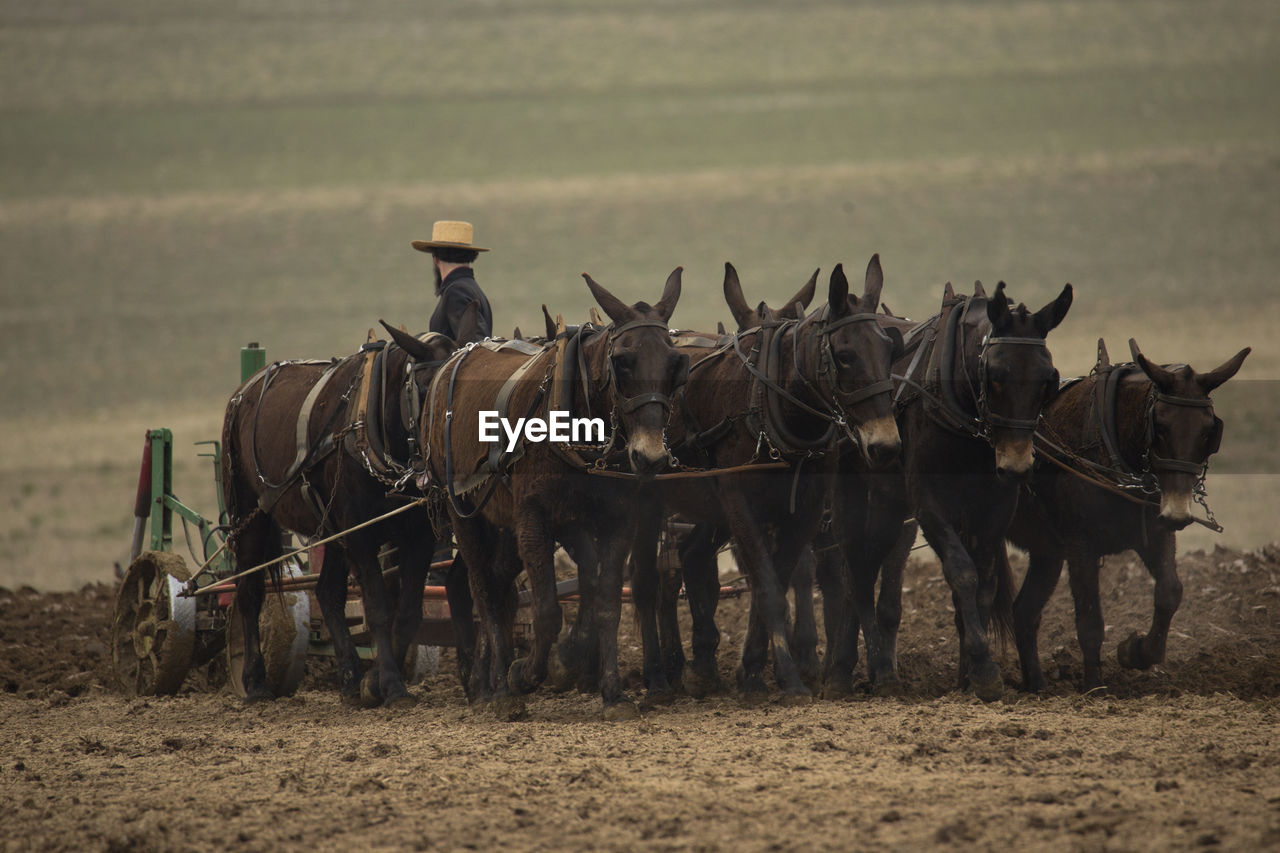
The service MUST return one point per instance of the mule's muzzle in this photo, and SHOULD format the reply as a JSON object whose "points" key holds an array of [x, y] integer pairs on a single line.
{"points": [[1175, 510], [648, 454], [880, 442], [1015, 460]]}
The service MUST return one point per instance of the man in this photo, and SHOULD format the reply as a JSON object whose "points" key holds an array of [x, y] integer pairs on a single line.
{"points": [[452, 253]]}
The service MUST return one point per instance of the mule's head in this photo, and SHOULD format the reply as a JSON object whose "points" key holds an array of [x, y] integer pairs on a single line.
{"points": [[1016, 376], [855, 357], [642, 371], [1182, 430]]}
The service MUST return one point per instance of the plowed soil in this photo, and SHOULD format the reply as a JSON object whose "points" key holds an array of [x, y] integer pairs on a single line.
{"points": [[1186, 755]]}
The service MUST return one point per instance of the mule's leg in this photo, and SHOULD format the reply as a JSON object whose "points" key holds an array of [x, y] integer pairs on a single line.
{"points": [[476, 543], [537, 551], [1043, 570], [414, 545], [837, 614], [457, 588], [256, 543], [1138, 652], [1083, 571], [331, 595], [702, 586], [613, 552], [889, 602], [644, 592], [804, 626], [768, 594], [384, 683], [669, 641], [962, 576]]}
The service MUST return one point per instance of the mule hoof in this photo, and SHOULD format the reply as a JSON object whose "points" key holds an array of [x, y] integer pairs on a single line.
{"points": [[986, 681], [509, 709], [259, 696], [655, 698], [351, 698], [795, 700], [400, 703], [1129, 653], [519, 679], [890, 688], [621, 712], [560, 678], [701, 686], [370, 690]]}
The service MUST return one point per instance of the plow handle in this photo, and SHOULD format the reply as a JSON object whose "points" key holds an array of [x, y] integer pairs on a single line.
{"points": [[141, 503]]}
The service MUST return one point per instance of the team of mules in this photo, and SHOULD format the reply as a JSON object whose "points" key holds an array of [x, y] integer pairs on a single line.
{"points": [[816, 442]]}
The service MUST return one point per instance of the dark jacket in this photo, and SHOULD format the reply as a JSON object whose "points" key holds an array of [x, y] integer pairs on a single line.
{"points": [[459, 290]]}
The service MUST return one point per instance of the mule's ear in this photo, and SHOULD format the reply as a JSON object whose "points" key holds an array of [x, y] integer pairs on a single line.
{"points": [[548, 323], [997, 306], [469, 323], [1157, 374], [804, 295], [948, 293], [742, 315], [1048, 317], [764, 312], [670, 295], [792, 310], [1214, 378], [872, 284], [899, 345], [979, 291], [515, 334], [838, 292], [1104, 360], [618, 311], [407, 342], [884, 309], [720, 329]]}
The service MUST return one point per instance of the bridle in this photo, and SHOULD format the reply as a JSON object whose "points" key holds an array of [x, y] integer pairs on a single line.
{"points": [[951, 412], [825, 385]]}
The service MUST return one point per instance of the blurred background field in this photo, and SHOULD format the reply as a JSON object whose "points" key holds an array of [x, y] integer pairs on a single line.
{"points": [[180, 178]]}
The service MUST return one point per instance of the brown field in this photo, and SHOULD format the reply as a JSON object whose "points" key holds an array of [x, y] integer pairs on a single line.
{"points": [[1185, 756]]}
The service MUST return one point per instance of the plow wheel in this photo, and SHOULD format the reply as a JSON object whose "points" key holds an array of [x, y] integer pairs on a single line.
{"points": [[154, 630], [284, 629]]}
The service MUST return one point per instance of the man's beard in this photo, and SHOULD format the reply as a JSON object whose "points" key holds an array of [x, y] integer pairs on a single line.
{"points": [[439, 281]]}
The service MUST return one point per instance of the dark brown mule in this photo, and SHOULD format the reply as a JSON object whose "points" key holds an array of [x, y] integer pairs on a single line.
{"points": [[786, 390], [314, 475], [629, 372], [1133, 431], [976, 377]]}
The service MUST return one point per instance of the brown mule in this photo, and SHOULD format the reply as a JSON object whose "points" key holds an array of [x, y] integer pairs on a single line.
{"points": [[546, 492], [289, 463], [1113, 439]]}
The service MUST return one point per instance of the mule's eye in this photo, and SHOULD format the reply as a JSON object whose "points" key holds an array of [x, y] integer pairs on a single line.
{"points": [[846, 358], [624, 362]]}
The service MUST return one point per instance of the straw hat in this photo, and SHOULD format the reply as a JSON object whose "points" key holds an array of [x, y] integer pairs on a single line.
{"points": [[448, 234]]}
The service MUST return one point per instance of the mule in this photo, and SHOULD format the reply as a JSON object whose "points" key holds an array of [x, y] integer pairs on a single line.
{"points": [[973, 381], [312, 448], [1111, 441], [786, 390], [546, 492]]}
